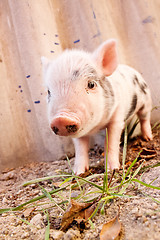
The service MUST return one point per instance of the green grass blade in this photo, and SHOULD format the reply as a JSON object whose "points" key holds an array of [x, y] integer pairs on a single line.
{"points": [[48, 195], [105, 185], [150, 166], [96, 210], [153, 180], [122, 195], [70, 165], [132, 164], [130, 180], [91, 223], [145, 184], [154, 199], [104, 199], [24, 221], [133, 128], [47, 231], [87, 181], [45, 178], [137, 170], [124, 150], [93, 176], [30, 201], [156, 125], [74, 174], [66, 180], [4, 210], [123, 182]]}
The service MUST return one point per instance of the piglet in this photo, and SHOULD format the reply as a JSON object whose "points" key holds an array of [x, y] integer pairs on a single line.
{"points": [[88, 92]]}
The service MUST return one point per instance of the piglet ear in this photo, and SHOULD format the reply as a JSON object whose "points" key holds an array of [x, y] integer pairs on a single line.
{"points": [[106, 56], [45, 63]]}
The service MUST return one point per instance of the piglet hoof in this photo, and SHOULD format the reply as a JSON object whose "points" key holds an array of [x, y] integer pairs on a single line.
{"points": [[146, 130], [113, 165], [78, 170], [147, 137]]}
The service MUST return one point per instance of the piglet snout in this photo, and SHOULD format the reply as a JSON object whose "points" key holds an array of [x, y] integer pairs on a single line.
{"points": [[65, 126]]}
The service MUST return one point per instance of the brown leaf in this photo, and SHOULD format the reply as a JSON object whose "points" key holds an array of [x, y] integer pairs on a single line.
{"points": [[76, 211], [88, 211], [111, 229], [147, 154]]}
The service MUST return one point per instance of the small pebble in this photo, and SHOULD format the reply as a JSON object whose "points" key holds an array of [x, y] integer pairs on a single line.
{"points": [[7, 176], [134, 210], [144, 219], [25, 235], [55, 234], [154, 217], [4, 200], [138, 214], [72, 234], [37, 220], [2, 190]]}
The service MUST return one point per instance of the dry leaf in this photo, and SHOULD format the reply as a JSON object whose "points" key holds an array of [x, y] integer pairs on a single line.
{"points": [[111, 229], [76, 212], [88, 211], [128, 163], [147, 154]]}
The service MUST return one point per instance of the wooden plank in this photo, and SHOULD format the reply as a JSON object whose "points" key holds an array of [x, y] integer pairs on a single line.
{"points": [[30, 29]]}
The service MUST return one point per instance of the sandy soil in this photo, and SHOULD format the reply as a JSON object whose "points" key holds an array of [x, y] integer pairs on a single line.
{"points": [[139, 215]]}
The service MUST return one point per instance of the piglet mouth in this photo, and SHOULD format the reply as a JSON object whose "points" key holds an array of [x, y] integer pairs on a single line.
{"points": [[65, 125]]}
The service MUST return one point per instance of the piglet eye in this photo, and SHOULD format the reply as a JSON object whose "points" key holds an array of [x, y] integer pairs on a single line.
{"points": [[91, 84]]}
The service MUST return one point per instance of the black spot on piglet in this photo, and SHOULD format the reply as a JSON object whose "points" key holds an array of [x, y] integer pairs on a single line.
{"points": [[142, 85], [75, 74], [133, 106]]}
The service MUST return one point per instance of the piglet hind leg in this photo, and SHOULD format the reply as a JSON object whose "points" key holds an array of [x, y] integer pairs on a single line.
{"points": [[146, 129], [144, 117], [81, 155]]}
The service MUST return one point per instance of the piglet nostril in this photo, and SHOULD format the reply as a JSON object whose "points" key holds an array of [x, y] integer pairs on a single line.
{"points": [[55, 130], [65, 126], [72, 128]]}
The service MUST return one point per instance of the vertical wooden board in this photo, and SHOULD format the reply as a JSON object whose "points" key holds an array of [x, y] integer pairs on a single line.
{"points": [[29, 29], [25, 134], [13, 146], [40, 39]]}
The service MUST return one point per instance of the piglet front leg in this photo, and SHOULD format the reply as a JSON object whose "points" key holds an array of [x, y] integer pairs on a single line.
{"points": [[81, 154], [114, 133]]}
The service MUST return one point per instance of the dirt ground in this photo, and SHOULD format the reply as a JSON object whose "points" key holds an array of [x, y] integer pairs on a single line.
{"points": [[139, 215]]}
